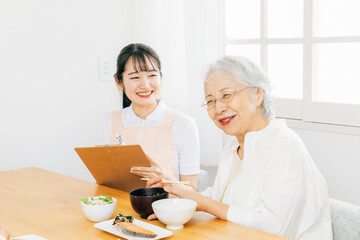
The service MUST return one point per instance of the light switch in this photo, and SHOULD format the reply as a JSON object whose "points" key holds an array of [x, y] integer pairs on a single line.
{"points": [[106, 69]]}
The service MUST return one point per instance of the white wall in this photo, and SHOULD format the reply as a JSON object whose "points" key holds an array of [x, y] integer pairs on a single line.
{"points": [[202, 25], [50, 95], [338, 158]]}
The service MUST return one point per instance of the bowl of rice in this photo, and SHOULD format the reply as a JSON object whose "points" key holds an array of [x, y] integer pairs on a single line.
{"points": [[99, 208], [174, 212]]}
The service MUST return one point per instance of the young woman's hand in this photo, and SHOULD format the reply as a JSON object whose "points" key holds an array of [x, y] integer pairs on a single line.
{"points": [[155, 169], [154, 181]]}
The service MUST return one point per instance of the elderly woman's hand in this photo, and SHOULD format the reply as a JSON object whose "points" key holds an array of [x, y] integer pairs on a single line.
{"points": [[183, 191], [174, 190], [204, 203]]}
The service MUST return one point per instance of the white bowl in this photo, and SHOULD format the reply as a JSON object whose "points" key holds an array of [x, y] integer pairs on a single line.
{"points": [[174, 212], [98, 213]]}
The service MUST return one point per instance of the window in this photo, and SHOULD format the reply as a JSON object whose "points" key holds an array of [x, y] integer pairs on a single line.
{"points": [[310, 50]]}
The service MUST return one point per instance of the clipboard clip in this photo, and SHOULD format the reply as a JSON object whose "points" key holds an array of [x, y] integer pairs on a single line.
{"points": [[120, 140]]}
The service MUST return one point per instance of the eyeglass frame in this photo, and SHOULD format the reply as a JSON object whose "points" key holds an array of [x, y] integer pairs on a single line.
{"points": [[233, 93]]}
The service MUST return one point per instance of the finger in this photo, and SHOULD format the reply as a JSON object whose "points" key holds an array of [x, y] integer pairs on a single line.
{"points": [[154, 185], [152, 217], [144, 175], [158, 185], [142, 169], [153, 179], [152, 175], [145, 170]]}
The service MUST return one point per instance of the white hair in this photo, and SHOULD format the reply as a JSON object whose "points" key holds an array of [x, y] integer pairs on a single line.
{"points": [[248, 74]]}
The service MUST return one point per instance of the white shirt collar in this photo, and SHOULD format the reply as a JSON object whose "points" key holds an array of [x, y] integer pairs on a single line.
{"points": [[252, 136], [157, 115], [271, 125]]}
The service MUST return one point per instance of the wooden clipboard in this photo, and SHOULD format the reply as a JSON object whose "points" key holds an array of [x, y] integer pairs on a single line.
{"points": [[110, 165]]}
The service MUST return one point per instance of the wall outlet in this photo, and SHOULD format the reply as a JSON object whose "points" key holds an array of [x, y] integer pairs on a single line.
{"points": [[106, 69]]}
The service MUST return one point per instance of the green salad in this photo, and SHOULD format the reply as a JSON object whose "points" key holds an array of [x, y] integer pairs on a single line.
{"points": [[102, 200]]}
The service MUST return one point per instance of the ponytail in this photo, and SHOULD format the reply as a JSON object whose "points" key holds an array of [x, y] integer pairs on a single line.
{"points": [[126, 102]]}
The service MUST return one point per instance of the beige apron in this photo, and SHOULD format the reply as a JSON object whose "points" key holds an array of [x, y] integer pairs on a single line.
{"points": [[156, 141]]}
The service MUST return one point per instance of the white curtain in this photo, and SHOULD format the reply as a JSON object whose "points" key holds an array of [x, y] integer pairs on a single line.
{"points": [[185, 34], [160, 24]]}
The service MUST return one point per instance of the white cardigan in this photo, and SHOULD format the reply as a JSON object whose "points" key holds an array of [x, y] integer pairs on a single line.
{"points": [[279, 188]]}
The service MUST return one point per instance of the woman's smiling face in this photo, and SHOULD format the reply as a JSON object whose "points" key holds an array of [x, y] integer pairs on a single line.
{"points": [[238, 116], [141, 87]]}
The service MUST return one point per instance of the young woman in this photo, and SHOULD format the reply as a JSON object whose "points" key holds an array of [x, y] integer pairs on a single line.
{"points": [[169, 138], [266, 178]]}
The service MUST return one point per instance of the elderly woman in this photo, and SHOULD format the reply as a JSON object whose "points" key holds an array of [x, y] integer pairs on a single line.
{"points": [[266, 178]]}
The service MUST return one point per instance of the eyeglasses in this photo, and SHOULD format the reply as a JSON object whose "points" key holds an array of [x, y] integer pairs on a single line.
{"points": [[225, 97]]}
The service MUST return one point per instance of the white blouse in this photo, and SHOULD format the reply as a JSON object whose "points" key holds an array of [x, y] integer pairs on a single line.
{"points": [[184, 129], [279, 188]]}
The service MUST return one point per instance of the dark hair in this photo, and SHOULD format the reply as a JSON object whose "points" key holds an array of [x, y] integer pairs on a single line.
{"points": [[139, 53]]}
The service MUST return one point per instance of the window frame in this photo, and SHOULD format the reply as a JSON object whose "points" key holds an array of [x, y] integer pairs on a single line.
{"points": [[303, 113]]}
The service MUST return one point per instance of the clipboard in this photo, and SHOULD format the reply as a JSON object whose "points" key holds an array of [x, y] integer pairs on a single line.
{"points": [[110, 165]]}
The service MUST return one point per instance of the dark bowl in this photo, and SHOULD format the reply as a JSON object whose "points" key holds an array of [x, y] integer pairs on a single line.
{"points": [[141, 199]]}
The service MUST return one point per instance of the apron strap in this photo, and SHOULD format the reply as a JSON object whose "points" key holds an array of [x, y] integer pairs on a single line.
{"points": [[116, 125], [171, 118]]}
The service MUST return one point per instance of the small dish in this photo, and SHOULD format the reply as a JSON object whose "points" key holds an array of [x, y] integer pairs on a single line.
{"points": [[108, 227], [97, 212]]}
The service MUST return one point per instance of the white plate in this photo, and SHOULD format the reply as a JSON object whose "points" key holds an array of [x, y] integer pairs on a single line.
{"points": [[29, 237], [108, 227]]}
